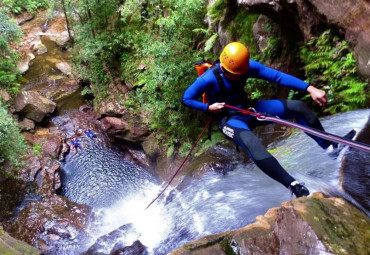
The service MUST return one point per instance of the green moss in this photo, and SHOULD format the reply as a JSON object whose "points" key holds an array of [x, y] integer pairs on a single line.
{"points": [[334, 225], [216, 10], [11, 246], [227, 246], [280, 150], [242, 27]]}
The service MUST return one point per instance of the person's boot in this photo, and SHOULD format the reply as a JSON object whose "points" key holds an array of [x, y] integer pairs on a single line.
{"points": [[298, 189], [335, 148]]}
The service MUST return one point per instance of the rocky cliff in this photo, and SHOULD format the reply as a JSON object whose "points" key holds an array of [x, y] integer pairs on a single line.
{"points": [[304, 18]]}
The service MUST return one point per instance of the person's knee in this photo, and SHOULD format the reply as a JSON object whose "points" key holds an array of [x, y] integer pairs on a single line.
{"points": [[297, 106], [254, 145], [302, 109]]}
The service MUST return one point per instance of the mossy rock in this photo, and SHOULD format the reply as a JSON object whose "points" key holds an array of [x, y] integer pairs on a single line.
{"points": [[312, 225], [12, 246]]}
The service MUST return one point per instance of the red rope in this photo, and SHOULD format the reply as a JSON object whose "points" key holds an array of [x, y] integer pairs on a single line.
{"points": [[256, 114], [183, 162]]}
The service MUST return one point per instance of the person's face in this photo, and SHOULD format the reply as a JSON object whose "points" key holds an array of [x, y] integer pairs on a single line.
{"points": [[231, 76]]}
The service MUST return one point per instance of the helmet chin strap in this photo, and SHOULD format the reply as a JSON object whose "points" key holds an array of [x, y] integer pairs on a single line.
{"points": [[230, 76]]}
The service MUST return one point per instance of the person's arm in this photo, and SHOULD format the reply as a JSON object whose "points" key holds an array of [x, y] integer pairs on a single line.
{"points": [[258, 70], [318, 95], [193, 93]]}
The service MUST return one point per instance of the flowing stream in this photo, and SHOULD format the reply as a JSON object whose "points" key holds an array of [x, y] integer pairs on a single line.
{"points": [[212, 204]]}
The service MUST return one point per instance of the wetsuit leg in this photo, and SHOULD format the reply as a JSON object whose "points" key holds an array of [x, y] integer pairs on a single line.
{"points": [[238, 131], [296, 109]]}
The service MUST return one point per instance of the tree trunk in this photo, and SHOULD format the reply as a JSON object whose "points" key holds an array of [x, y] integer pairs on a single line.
{"points": [[67, 22]]}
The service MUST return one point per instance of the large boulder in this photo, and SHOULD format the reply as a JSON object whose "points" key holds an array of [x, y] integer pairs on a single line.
{"points": [[48, 221], [65, 68], [314, 225], [33, 106], [128, 128], [62, 39]]}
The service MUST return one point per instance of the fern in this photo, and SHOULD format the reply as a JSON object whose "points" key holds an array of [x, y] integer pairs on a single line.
{"points": [[216, 10], [330, 65], [210, 42]]}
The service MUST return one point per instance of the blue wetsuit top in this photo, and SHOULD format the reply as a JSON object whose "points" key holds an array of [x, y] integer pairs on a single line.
{"points": [[76, 142], [90, 134], [235, 94]]}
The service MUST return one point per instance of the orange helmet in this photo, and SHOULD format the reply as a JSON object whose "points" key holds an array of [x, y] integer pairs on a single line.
{"points": [[235, 58]]}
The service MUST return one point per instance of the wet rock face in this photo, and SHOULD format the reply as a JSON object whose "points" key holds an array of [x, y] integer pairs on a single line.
{"points": [[313, 225], [304, 17], [137, 248], [51, 223], [355, 171], [128, 128], [49, 141], [47, 221], [108, 244]]}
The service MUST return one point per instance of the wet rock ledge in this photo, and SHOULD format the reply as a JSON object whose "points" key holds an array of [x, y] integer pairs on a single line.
{"points": [[9, 245], [314, 225]]}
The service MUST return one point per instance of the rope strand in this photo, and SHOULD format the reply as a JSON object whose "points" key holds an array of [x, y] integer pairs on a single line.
{"points": [[183, 162]]}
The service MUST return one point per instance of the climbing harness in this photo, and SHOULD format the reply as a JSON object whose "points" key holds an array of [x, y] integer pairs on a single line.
{"points": [[183, 162], [312, 131]]}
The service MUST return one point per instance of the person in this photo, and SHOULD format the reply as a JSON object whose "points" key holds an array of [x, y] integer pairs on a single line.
{"points": [[89, 133], [224, 84], [76, 143]]}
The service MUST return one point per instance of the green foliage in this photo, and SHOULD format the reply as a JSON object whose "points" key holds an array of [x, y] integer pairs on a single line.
{"points": [[242, 27], [9, 33], [216, 10], [273, 49], [210, 42], [12, 143], [330, 65], [86, 91], [36, 149], [216, 138], [158, 71], [259, 89], [18, 6]]}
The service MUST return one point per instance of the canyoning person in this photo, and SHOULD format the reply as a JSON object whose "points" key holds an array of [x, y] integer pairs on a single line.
{"points": [[76, 143], [89, 133], [224, 84]]}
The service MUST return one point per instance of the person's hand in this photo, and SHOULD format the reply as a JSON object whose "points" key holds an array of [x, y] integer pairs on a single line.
{"points": [[318, 95], [216, 107]]}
